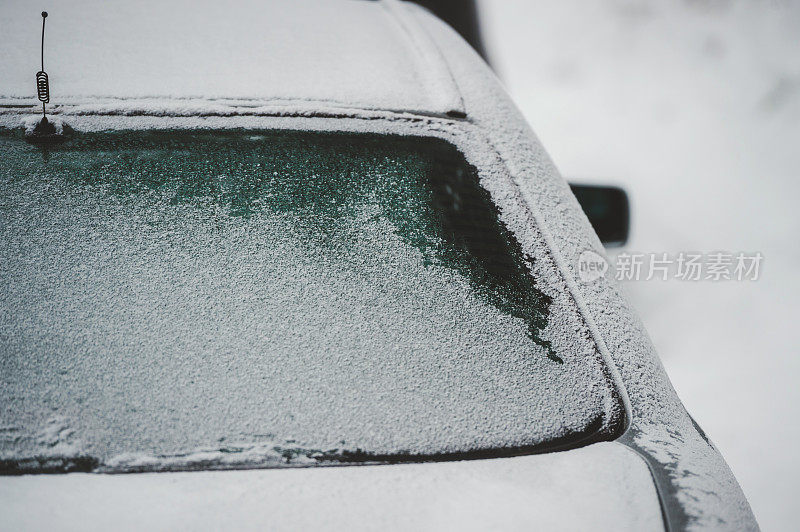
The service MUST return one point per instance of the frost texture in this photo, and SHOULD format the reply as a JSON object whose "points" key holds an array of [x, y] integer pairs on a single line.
{"points": [[170, 293], [30, 123], [329, 80]]}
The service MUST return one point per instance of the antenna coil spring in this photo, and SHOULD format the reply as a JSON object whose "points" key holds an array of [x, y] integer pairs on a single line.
{"points": [[43, 87]]}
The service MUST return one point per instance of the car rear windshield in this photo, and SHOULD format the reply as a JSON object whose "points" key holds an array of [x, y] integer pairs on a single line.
{"points": [[207, 299]]}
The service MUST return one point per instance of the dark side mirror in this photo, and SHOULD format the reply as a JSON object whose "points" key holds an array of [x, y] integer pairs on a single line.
{"points": [[608, 211]]}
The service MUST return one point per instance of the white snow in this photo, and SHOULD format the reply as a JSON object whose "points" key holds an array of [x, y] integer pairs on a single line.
{"points": [[557, 491], [694, 107], [659, 424], [239, 49], [31, 121]]}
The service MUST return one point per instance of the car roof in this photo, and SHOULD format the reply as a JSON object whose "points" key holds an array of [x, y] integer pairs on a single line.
{"points": [[243, 50]]}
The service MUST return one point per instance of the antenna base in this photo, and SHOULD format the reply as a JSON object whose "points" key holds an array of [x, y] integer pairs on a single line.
{"points": [[44, 131], [44, 127]]}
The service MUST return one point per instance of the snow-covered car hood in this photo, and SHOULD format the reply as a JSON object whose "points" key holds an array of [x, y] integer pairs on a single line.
{"points": [[557, 491]]}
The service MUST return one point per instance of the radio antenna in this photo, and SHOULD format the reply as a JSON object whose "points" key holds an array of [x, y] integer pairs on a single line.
{"points": [[42, 83]]}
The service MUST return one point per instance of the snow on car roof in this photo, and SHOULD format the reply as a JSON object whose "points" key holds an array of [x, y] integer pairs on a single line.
{"points": [[275, 51]]}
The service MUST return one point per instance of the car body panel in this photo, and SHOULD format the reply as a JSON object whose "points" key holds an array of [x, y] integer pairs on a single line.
{"points": [[245, 50], [555, 491]]}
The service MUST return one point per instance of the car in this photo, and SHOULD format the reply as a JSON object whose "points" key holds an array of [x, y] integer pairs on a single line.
{"points": [[296, 265]]}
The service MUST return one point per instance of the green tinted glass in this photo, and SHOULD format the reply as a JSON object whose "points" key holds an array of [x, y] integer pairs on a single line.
{"points": [[222, 299]]}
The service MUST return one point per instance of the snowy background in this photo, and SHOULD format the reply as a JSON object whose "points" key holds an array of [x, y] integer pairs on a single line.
{"points": [[694, 108]]}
